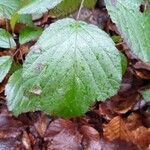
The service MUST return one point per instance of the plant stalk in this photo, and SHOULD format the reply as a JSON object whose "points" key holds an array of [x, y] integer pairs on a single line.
{"points": [[79, 12]]}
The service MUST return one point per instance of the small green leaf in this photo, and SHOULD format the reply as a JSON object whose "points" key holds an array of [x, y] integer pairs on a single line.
{"points": [[29, 33], [6, 39], [133, 25], [68, 6], [5, 65], [116, 38], [39, 6], [70, 66], [146, 95], [8, 8], [14, 19], [24, 19], [124, 63]]}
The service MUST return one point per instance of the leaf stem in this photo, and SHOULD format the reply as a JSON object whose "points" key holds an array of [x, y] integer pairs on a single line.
{"points": [[79, 12]]}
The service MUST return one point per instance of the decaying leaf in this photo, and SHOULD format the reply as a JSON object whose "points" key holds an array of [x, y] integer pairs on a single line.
{"points": [[26, 141], [91, 138], [9, 127], [41, 124], [141, 137]]}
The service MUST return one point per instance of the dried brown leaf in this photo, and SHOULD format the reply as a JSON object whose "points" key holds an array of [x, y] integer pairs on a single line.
{"points": [[65, 140], [22, 51], [63, 135], [142, 70], [9, 144], [122, 105], [105, 111], [133, 121], [9, 127], [116, 129]]}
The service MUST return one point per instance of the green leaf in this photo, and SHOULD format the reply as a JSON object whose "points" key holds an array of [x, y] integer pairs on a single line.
{"points": [[124, 63], [24, 19], [70, 66], [146, 95], [39, 6], [29, 33], [8, 7], [6, 39], [17, 102], [68, 6], [5, 65], [14, 19], [134, 26]]}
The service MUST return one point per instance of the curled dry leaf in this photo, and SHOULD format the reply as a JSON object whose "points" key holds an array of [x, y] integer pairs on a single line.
{"points": [[142, 70], [91, 138], [62, 134], [122, 105], [26, 141], [116, 129], [41, 124], [105, 111]]}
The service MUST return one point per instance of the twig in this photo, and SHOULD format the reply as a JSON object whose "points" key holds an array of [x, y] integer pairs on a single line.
{"points": [[79, 12]]}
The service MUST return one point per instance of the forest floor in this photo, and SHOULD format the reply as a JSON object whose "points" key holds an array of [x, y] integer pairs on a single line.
{"points": [[120, 123]]}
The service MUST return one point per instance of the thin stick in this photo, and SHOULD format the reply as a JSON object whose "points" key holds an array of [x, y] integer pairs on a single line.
{"points": [[79, 12]]}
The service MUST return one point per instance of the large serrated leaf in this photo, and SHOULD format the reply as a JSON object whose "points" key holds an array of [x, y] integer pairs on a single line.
{"points": [[5, 65], [71, 66], [134, 26], [17, 102], [8, 7], [39, 6], [66, 7], [6, 39]]}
